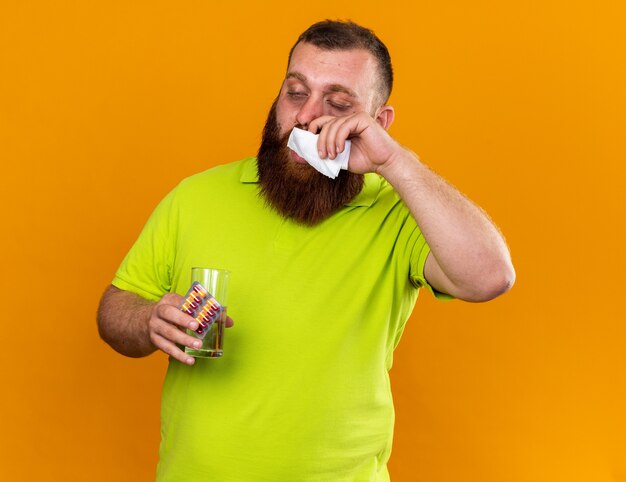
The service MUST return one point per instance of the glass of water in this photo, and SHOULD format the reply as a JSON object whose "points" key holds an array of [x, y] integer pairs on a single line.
{"points": [[215, 281]]}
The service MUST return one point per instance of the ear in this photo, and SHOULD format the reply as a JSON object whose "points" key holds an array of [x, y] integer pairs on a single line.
{"points": [[384, 116]]}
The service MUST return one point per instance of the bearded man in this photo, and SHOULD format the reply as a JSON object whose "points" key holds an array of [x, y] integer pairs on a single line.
{"points": [[325, 273]]}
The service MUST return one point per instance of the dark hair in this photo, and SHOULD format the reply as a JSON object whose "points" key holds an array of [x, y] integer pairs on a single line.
{"points": [[340, 35]]}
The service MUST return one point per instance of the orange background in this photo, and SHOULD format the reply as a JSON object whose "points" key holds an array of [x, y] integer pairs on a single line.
{"points": [[105, 106]]}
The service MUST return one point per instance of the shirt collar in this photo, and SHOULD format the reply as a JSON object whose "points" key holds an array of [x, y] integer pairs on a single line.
{"points": [[367, 196]]}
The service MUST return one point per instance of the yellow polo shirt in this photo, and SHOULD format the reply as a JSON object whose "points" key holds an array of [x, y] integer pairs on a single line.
{"points": [[302, 392]]}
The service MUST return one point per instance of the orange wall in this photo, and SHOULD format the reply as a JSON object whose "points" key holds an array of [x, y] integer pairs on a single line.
{"points": [[104, 106]]}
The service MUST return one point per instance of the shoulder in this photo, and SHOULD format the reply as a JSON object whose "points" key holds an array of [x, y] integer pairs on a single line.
{"points": [[219, 188], [229, 174]]}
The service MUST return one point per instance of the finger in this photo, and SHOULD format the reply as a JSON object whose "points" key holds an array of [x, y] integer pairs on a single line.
{"points": [[333, 135], [173, 299], [321, 141], [325, 142], [173, 315], [172, 350], [316, 124], [229, 322], [343, 133], [173, 332]]}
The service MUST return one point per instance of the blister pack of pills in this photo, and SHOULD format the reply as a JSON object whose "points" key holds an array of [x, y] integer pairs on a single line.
{"points": [[201, 304]]}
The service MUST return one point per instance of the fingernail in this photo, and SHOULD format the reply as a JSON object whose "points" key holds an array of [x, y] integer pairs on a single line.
{"points": [[189, 361], [197, 344], [321, 154], [193, 325]]}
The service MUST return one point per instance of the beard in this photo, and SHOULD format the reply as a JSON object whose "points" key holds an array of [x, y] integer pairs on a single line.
{"points": [[298, 191]]}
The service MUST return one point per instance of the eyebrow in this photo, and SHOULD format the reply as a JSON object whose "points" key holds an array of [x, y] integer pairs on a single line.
{"points": [[329, 88]]}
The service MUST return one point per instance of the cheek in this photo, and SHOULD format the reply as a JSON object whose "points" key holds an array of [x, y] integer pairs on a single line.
{"points": [[285, 117]]}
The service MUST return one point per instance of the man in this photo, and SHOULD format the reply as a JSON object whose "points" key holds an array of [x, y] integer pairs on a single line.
{"points": [[325, 273]]}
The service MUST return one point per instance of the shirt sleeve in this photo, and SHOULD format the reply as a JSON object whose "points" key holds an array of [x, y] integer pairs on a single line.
{"points": [[147, 268], [419, 254]]}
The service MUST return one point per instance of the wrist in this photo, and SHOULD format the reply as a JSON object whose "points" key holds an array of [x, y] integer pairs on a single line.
{"points": [[401, 164]]}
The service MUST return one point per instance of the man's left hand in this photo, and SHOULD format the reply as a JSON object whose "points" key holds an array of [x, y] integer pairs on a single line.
{"points": [[372, 147]]}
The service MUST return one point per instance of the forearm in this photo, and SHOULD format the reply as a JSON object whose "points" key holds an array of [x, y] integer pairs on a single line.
{"points": [[472, 260], [123, 319]]}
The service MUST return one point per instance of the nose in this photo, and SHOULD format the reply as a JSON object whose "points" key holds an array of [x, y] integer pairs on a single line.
{"points": [[310, 110]]}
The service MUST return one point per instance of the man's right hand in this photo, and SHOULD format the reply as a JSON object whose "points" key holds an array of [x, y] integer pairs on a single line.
{"points": [[167, 325], [136, 327]]}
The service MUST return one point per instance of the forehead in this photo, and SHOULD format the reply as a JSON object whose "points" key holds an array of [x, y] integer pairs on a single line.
{"points": [[354, 69]]}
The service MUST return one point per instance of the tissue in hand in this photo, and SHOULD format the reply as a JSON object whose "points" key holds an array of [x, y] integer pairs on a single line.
{"points": [[304, 143]]}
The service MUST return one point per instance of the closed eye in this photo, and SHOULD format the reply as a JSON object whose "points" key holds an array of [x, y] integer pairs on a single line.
{"points": [[339, 107]]}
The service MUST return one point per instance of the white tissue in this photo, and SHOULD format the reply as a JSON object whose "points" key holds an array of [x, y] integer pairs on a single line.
{"points": [[304, 143]]}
